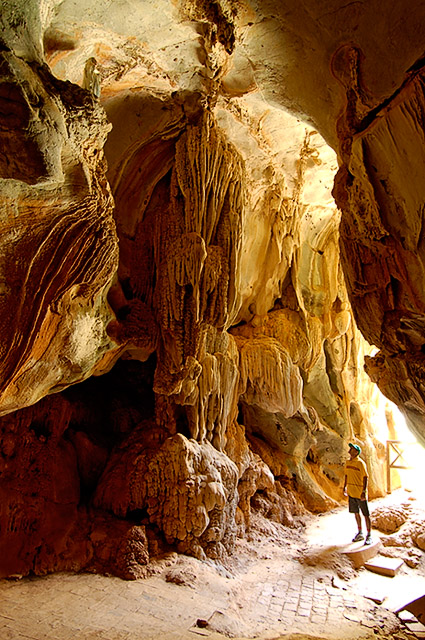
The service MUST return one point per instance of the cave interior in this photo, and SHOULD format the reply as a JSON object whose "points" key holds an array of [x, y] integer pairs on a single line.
{"points": [[211, 216]]}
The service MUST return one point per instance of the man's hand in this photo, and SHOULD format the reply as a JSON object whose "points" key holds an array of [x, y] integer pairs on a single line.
{"points": [[363, 495]]}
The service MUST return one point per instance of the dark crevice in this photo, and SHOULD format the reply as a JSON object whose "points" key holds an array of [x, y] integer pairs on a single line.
{"points": [[416, 69]]}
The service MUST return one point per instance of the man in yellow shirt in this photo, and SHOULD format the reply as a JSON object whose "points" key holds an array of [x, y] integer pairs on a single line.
{"points": [[355, 486]]}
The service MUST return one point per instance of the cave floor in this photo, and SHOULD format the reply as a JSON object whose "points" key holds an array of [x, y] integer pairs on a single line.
{"points": [[291, 583]]}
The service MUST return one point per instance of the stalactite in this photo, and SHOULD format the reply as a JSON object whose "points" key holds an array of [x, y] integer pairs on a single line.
{"points": [[269, 377], [215, 404], [197, 283]]}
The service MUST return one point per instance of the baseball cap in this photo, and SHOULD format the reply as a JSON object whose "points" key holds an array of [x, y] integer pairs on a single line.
{"points": [[355, 446]]}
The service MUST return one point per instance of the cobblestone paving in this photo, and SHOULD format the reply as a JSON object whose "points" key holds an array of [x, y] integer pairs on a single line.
{"points": [[303, 603]]}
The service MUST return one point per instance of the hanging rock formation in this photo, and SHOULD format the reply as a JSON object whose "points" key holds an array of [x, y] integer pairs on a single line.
{"points": [[380, 190], [185, 313]]}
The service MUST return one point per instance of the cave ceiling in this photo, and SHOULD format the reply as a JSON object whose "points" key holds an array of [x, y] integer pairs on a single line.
{"points": [[212, 240]]}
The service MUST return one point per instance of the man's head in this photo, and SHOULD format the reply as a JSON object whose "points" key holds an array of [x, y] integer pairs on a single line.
{"points": [[354, 450]]}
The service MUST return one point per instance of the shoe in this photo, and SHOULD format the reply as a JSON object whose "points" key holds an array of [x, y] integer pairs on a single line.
{"points": [[368, 539], [358, 537]]}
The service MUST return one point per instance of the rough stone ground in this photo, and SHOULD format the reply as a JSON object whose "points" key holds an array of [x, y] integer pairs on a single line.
{"points": [[282, 583]]}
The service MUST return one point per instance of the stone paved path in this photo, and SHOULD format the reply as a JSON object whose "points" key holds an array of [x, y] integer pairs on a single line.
{"points": [[84, 607], [267, 597]]}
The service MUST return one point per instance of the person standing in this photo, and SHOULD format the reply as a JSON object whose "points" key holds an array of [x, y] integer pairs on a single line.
{"points": [[355, 486]]}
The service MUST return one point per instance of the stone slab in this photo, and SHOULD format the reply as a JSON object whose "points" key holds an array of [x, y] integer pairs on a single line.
{"points": [[376, 596], [199, 631], [384, 566], [415, 607], [414, 627], [406, 616], [417, 628], [361, 553]]}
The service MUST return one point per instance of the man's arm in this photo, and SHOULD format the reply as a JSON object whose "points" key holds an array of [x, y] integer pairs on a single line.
{"points": [[344, 491], [363, 495]]}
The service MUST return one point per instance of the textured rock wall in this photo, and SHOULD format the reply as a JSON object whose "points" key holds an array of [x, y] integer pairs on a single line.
{"points": [[179, 345], [58, 238], [380, 192]]}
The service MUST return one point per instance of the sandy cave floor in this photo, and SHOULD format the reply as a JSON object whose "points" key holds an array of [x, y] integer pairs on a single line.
{"points": [[290, 583]]}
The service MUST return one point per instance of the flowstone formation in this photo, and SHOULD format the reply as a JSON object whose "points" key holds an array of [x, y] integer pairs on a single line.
{"points": [[179, 346]]}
